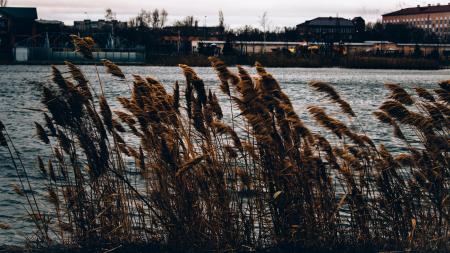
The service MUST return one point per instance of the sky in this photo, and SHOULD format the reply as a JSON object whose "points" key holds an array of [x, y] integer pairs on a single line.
{"points": [[237, 12]]}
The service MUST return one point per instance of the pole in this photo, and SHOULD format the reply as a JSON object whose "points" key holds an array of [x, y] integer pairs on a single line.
{"points": [[179, 41], [204, 29]]}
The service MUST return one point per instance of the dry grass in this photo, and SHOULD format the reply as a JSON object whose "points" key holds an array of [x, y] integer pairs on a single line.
{"points": [[263, 181]]}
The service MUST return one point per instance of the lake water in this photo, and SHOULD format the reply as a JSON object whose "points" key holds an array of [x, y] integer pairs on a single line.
{"points": [[20, 91]]}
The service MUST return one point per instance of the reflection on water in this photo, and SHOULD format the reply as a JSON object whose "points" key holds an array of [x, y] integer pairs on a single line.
{"points": [[20, 92]]}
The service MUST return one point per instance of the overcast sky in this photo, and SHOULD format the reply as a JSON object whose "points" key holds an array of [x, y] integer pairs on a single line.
{"points": [[237, 12]]}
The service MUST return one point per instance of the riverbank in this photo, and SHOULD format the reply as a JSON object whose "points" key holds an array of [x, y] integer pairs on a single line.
{"points": [[310, 62], [280, 61]]}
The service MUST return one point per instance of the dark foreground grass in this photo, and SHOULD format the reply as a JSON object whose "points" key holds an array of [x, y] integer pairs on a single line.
{"points": [[152, 249], [260, 180]]}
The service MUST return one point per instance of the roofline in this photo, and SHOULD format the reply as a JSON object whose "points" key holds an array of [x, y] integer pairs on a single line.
{"points": [[340, 18], [8, 14], [424, 12]]}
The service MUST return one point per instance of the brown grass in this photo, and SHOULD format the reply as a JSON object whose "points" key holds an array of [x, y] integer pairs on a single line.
{"points": [[262, 181]]}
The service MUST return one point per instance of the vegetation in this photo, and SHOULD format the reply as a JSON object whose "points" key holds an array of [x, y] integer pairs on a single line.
{"points": [[312, 61], [155, 19], [399, 33], [257, 180]]}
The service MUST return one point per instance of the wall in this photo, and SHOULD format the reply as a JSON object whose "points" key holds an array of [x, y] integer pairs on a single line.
{"points": [[40, 55]]}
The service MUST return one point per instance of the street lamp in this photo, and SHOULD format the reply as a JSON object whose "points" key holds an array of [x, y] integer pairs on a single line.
{"points": [[204, 29]]}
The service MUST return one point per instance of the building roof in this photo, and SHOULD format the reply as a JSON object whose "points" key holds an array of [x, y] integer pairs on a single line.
{"points": [[49, 22], [420, 10], [19, 12], [330, 21]]}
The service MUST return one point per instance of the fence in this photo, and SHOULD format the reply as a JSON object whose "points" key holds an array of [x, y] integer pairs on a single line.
{"points": [[57, 55]]}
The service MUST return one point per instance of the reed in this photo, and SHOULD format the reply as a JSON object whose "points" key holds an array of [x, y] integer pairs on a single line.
{"points": [[262, 180]]}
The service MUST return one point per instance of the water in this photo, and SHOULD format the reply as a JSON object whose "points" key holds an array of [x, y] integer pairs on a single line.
{"points": [[20, 92]]}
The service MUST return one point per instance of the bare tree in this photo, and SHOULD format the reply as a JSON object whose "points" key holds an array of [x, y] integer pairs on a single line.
{"points": [[110, 15], [188, 21], [221, 19], [144, 18], [3, 3], [132, 22], [155, 18], [264, 23], [163, 18]]}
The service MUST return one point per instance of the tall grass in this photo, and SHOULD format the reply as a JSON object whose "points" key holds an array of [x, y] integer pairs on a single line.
{"points": [[259, 180]]}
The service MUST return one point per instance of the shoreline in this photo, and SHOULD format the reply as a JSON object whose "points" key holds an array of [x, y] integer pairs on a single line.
{"points": [[276, 61]]}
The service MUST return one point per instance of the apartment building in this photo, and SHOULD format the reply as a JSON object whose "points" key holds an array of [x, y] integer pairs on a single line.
{"points": [[432, 18]]}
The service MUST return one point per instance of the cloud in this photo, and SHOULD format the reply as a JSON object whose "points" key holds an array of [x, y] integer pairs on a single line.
{"points": [[237, 12]]}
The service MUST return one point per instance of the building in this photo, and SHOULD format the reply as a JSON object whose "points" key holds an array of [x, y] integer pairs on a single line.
{"points": [[359, 24], [16, 24], [387, 48], [366, 48], [88, 25], [248, 47], [432, 18], [51, 26], [329, 29], [181, 39]]}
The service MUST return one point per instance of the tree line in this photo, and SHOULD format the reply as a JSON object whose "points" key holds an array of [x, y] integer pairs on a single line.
{"points": [[399, 33]]}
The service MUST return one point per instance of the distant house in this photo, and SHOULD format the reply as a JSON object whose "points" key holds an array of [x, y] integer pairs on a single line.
{"points": [[328, 29], [16, 24]]}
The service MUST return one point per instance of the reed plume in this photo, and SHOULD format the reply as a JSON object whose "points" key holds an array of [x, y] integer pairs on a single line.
{"points": [[399, 94], [83, 46], [146, 173], [113, 69], [333, 96]]}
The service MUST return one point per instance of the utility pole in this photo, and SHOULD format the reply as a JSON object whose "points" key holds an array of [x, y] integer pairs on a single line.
{"points": [[204, 30], [264, 23], [179, 42]]}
